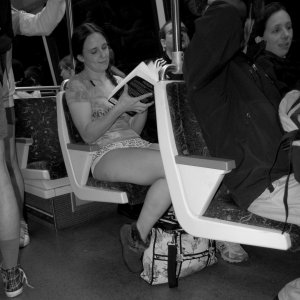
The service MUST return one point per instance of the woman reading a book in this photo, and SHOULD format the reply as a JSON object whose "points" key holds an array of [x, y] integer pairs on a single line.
{"points": [[123, 156]]}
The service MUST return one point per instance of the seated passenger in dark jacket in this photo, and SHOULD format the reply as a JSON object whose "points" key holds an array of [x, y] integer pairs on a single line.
{"points": [[270, 45], [236, 106]]}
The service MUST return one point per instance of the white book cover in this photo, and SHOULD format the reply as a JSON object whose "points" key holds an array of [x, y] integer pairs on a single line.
{"points": [[140, 81]]}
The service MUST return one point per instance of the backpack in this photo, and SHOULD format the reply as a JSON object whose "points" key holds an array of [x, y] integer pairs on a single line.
{"points": [[289, 113]]}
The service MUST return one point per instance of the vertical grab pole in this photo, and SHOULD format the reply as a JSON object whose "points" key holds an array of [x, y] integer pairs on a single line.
{"points": [[69, 17], [177, 54], [49, 59]]}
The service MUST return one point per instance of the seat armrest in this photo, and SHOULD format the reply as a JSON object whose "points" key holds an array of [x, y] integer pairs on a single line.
{"points": [[83, 147], [22, 150], [24, 140], [205, 162]]}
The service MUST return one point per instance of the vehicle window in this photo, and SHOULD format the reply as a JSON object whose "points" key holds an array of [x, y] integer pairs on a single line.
{"points": [[31, 51], [131, 28]]}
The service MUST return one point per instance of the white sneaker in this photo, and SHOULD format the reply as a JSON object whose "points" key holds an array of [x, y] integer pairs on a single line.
{"points": [[24, 235], [231, 252]]}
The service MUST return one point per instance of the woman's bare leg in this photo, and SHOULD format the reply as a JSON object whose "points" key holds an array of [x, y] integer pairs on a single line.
{"points": [[140, 166]]}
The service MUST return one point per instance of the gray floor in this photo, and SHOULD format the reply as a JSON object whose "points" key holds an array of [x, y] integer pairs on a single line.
{"points": [[85, 263]]}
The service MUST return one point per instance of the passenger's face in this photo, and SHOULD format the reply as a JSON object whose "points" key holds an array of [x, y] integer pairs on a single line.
{"points": [[95, 54], [278, 33], [66, 73], [168, 41]]}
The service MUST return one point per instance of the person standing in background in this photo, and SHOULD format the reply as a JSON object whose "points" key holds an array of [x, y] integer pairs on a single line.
{"points": [[42, 23], [12, 274]]}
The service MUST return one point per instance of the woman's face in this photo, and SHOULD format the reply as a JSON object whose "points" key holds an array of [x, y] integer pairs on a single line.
{"points": [[66, 73], [278, 33], [95, 53]]}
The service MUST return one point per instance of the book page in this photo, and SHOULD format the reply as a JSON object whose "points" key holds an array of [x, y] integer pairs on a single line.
{"points": [[140, 81], [137, 86]]}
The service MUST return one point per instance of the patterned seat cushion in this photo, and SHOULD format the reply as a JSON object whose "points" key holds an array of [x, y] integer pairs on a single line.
{"points": [[136, 193], [36, 118], [190, 141]]}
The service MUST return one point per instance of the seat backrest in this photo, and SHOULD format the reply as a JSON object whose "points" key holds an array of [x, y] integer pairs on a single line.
{"points": [[74, 135], [189, 140], [188, 135], [36, 118]]}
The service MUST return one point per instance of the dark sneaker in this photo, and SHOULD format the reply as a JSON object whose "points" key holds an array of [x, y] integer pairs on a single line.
{"points": [[13, 280], [133, 247]]}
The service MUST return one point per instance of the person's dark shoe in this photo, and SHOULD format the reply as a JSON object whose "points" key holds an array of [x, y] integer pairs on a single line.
{"points": [[133, 247], [130, 211]]}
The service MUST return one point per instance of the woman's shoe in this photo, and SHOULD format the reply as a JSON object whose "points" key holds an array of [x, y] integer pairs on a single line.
{"points": [[133, 247]]}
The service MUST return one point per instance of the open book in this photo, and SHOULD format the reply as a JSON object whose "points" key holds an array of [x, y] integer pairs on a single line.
{"points": [[140, 81]]}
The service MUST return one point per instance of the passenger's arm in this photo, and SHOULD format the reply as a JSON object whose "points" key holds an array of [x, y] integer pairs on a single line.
{"points": [[137, 122], [81, 111], [216, 40], [42, 23], [89, 130]]}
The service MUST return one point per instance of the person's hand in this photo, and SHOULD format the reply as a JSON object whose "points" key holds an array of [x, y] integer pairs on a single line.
{"points": [[128, 103]]}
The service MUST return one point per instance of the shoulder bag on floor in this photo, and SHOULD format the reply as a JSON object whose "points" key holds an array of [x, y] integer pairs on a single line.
{"points": [[173, 253]]}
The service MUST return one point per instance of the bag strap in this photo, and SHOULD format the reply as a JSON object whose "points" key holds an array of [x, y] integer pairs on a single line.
{"points": [[172, 265], [289, 137]]}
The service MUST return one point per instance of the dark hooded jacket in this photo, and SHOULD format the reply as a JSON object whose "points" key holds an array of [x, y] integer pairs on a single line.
{"points": [[284, 72], [235, 104]]}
